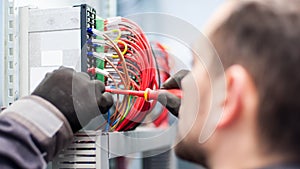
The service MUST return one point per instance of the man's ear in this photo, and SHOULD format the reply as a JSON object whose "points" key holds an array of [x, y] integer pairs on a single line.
{"points": [[236, 81]]}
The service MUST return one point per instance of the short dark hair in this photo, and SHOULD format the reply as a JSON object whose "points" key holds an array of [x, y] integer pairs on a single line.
{"points": [[264, 37]]}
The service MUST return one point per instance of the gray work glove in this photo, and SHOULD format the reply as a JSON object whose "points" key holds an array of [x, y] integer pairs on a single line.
{"points": [[59, 88], [170, 101]]}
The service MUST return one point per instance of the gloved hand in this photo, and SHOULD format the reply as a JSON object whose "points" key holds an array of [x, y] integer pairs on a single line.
{"points": [[170, 101], [75, 95]]}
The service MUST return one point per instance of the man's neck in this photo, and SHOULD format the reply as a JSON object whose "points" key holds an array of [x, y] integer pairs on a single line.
{"points": [[243, 153]]}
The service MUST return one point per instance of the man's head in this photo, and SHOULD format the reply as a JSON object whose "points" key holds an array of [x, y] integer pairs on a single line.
{"points": [[258, 44]]}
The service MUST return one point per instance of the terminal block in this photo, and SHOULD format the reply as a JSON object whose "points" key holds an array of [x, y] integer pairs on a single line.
{"points": [[88, 20]]}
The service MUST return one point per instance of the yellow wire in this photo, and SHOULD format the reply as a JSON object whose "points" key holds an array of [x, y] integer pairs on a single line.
{"points": [[119, 33], [124, 51], [124, 115], [127, 109]]}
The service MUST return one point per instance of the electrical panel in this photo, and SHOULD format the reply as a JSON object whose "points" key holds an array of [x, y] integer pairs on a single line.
{"points": [[115, 51]]}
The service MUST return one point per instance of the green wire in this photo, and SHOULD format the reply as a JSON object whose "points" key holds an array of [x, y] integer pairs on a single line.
{"points": [[127, 109]]}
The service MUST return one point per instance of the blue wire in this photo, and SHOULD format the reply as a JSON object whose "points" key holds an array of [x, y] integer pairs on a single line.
{"points": [[115, 121], [108, 120]]}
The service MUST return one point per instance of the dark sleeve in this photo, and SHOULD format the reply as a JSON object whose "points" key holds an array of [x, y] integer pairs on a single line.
{"points": [[18, 148], [32, 132]]}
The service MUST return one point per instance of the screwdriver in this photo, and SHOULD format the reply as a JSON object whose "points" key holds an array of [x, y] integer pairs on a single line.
{"points": [[148, 94]]}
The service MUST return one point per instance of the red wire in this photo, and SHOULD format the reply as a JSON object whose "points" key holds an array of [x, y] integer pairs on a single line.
{"points": [[140, 53]]}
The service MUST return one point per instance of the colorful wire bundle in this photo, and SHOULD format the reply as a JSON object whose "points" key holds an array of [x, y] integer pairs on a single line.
{"points": [[131, 66]]}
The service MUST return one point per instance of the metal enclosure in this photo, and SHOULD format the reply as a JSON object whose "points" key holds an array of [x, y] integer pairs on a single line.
{"points": [[94, 149], [48, 38], [45, 39]]}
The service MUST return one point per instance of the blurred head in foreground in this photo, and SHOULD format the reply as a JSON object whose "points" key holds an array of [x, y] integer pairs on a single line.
{"points": [[257, 122]]}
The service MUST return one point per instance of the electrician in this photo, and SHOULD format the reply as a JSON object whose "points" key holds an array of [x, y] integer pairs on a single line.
{"points": [[259, 128], [258, 44]]}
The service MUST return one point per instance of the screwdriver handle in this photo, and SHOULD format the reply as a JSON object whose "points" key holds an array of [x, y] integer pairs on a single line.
{"points": [[148, 94], [125, 92]]}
